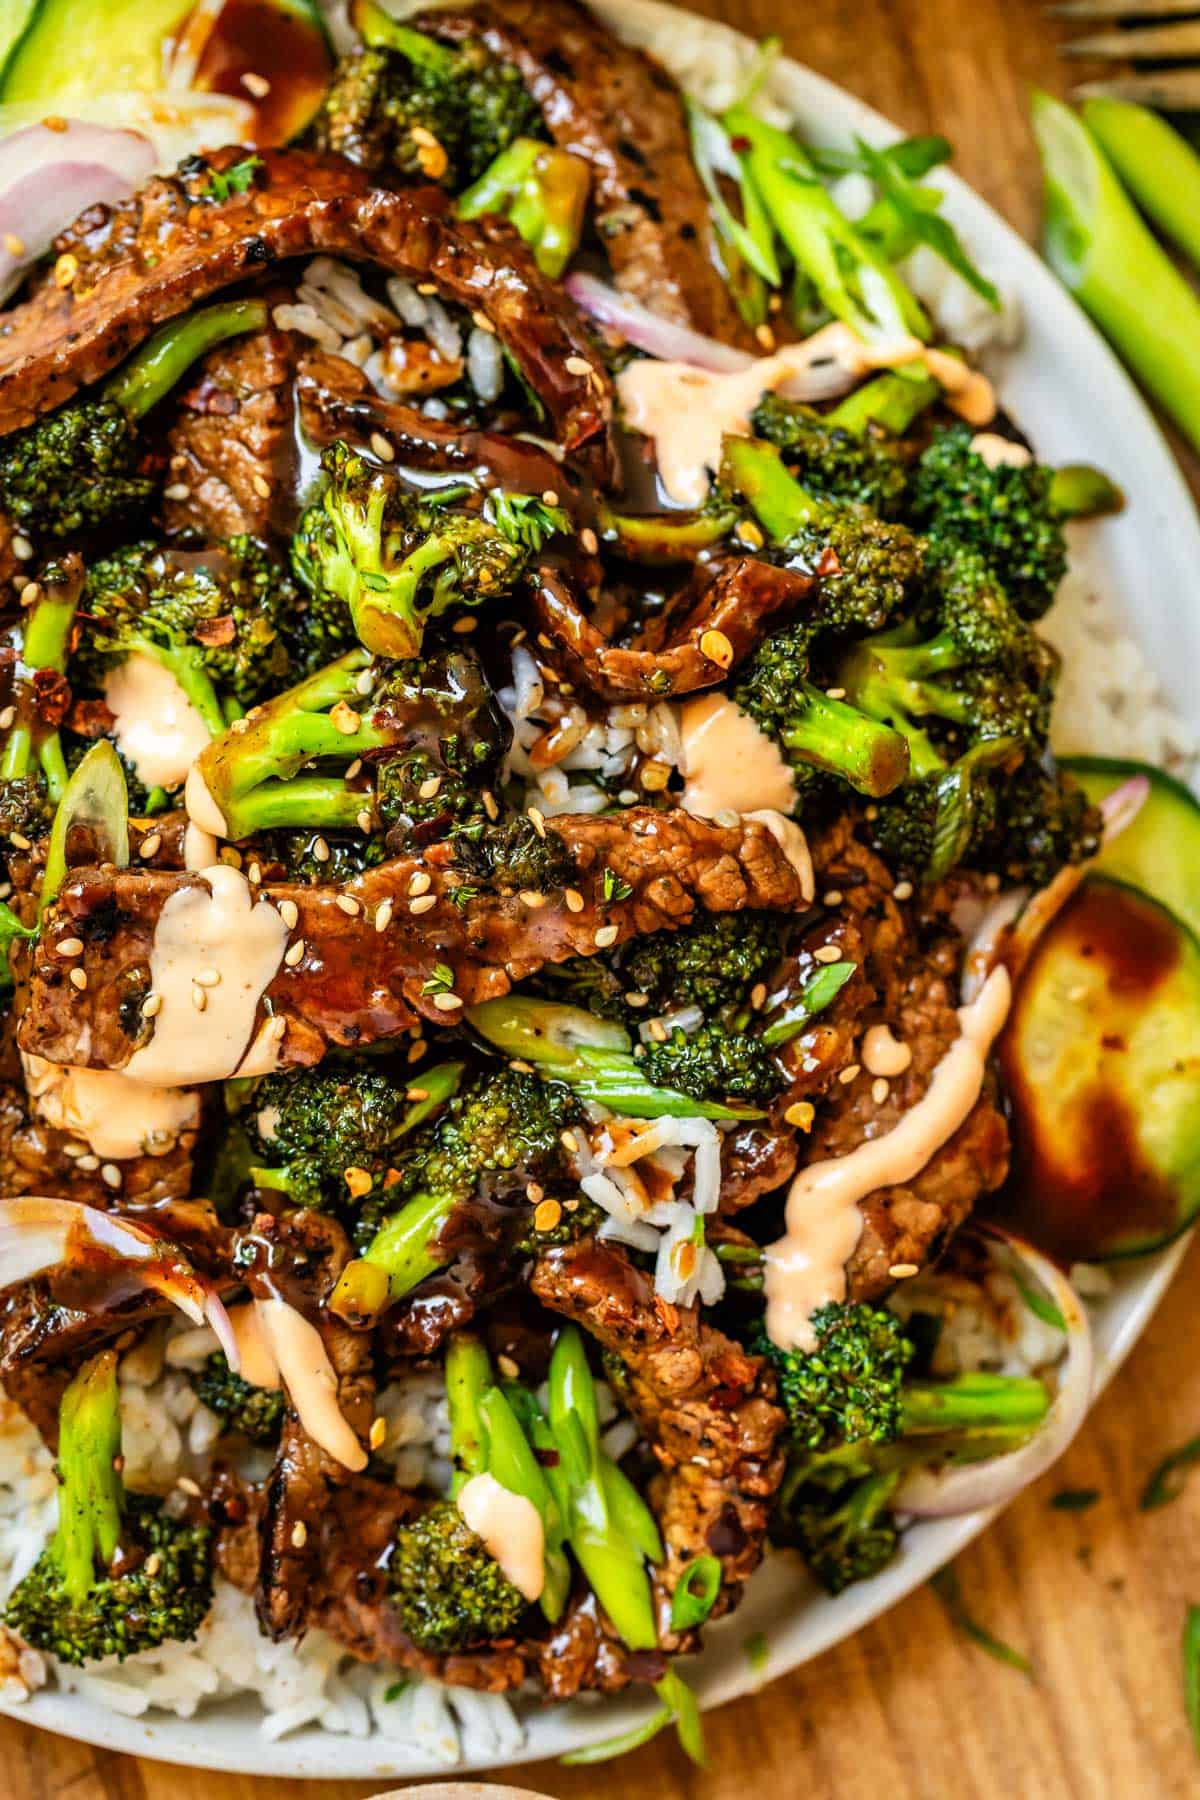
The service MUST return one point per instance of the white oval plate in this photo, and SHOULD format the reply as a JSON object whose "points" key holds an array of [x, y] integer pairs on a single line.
{"points": [[1072, 396]]}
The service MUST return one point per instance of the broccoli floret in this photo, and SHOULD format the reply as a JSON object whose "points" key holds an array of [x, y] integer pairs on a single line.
{"points": [[82, 466], [33, 770], [287, 766], [213, 617], [119, 1575], [846, 1534], [501, 1132], [1042, 820], [447, 1587], [715, 1062], [256, 1412], [711, 964], [398, 557], [852, 454], [322, 1129], [1004, 513], [848, 1388], [469, 101]]}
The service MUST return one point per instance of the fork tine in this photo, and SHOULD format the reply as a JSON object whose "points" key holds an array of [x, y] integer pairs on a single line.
{"points": [[1161, 43], [1174, 90], [1122, 9]]}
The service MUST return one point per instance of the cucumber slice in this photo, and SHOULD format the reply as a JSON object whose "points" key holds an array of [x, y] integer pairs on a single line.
{"points": [[1101, 1064], [14, 18], [1160, 851], [74, 48]]}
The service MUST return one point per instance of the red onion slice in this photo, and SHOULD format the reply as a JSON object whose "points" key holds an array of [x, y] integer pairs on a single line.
{"points": [[944, 1493], [645, 330], [48, 177], [39, 1233]]}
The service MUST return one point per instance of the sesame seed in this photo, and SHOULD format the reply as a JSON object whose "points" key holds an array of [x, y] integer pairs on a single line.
{"points": [[254, 874], [153, 1563], [849, 1074], [427, 287], [419, 882], [258, 85], [489, 805], [447, 1002], [346, 903], [177, 490], [88, 1163], [417, 1049], [465, 626], [187, 1486], [574, 899], [657, 1031], [261, 486], [359, 1181], [749, 534], [363, 820], [152, 1006], [879, 1090], [765, 335], [343, 718], [7, 717], [110, 1175], [69, 946], [836, 693], [801, 1114], [606, 936], [550, 497], [65, 269], [422, 904], [627, 796], [546, 1215], [199, 998], [299, 1535], [320, 849], [378, 1437], [655, 776], [364, 682], [354, 769], [828, 953], [485, 324], [569, 1141], [382, 448], [294, 953], [73, 1151], [717, 648], [726, 818], [834, 897], [637, 1000], [758, 996], [429, 787], [577, 365], [19, 840], [537, 819], [151, 845], [589, 542], [383, 914], [78, 979], [902, 1271], [21, 546], [207, 978], [902, 890], [31, 593], [534, 1191], [531, 898], [289, 912]]}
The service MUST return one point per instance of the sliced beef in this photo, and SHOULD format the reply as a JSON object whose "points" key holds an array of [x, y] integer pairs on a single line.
{"points": [[731, 596], [356, 984], [618, 109], [231, 447], [172, 246], [706, 1406]]}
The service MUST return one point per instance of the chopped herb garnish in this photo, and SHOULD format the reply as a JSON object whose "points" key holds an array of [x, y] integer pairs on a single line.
{"points": [[462, 895], [612, 886], [1191, 1671], [757, 1650], [1170, 1478], [236, 179], [397, 1688], [945, 1586], [1075, 1499], [695, 1593], [440, 981], [624, 1742], [1039, 1306]]}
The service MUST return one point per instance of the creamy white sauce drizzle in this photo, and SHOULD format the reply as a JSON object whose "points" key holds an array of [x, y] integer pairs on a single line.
{"points": [[202, 809], [883, 1054], [116, 1117], [214, 924], [793, 843], [687, 411], [304, 1366], [729, 764], [258, 1365], [157, 727], [511, 1529], [996, 450], [199, 848], [806, 1268]]}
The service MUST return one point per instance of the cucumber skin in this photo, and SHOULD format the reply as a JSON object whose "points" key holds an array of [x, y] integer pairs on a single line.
{"points": [[1189, 1200], [1176, 808]]}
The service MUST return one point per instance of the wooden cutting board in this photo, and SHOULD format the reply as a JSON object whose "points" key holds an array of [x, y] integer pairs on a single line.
{"points": [[910, 1709]]}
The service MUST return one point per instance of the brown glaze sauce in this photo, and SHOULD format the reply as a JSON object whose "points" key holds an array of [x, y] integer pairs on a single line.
{"points": [[1105, 1192], [259, 38]]}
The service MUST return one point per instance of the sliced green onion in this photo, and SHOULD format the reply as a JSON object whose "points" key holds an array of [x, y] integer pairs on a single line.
{"points": [[1157, 164], [757, 1650], [623, 1743], [695, 1593], [1038, 1304], [1075, 1499], [945, 1586], [813, 997], [1191, 1671], [1170, 1478], [685, 1711]]}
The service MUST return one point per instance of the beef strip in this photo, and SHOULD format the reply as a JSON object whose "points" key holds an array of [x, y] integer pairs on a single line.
{"points": [[706, 1406], [170, 247], [618, 109], [733, 596], [231, 446], [355, 984]]}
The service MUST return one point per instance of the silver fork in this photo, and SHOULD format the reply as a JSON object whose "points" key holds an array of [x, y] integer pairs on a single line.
{"points": [[1174, 38]]}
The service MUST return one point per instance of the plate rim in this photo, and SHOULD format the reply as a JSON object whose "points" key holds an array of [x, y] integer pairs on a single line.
{"points": [[335, 1756]]}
